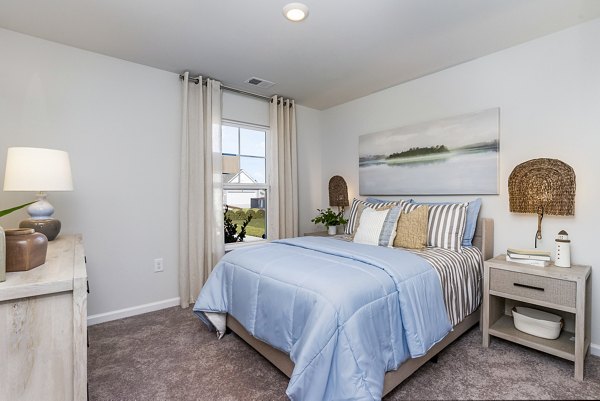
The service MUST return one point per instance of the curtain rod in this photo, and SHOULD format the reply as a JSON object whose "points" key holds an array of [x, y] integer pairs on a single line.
{"points": [[230, 89]]}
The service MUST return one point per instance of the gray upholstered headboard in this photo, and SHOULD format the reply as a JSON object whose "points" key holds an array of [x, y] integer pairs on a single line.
{"points": [[484, 237]]}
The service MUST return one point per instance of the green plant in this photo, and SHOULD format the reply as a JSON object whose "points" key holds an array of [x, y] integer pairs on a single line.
{"points": [[231, 234], [239, 214], [329, 218], [13, 209]]}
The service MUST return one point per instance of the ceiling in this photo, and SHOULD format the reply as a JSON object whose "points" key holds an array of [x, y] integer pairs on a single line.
{"points": [[345, 49]]}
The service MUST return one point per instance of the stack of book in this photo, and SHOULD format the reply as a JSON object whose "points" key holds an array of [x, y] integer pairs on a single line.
{"points": [[533, 257]]}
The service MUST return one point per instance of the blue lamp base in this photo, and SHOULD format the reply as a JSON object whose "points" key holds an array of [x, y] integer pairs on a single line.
{"points": [[42, 209], [41, 220]]}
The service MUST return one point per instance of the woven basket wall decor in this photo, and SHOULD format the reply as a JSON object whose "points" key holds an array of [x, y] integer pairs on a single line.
{"points": [[545, 183], [338, 191]]}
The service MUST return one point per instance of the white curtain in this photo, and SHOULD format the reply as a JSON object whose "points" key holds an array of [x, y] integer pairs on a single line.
{"points": [[282, 203], [201, 188]]}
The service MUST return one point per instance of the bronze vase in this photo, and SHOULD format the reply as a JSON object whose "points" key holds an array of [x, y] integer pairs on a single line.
{"points": [[25, 249]]}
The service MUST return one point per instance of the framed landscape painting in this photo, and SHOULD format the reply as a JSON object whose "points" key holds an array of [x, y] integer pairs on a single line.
{"points": [[451, 156]]}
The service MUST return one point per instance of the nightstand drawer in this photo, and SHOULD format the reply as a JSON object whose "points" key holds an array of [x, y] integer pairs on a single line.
{"points": [[558, 292]]}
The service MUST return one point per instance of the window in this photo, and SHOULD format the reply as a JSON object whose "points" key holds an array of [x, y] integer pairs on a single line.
{"points": [[245, 179]]}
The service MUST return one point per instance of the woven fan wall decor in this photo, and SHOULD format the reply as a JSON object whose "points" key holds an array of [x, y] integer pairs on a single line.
{"points": [[542, 186], [338, 192]]}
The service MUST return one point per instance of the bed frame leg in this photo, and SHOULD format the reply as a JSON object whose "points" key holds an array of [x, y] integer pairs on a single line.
{"points": [[434, 359]]}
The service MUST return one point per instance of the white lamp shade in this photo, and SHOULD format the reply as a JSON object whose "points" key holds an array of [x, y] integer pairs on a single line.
{"points": [[36, 169]]}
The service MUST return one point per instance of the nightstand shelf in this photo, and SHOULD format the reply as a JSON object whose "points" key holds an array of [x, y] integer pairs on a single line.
{"points": [[563, 346], [562, 291]]}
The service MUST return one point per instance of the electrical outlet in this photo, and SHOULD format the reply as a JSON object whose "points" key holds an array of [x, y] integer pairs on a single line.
{"points": [[158, 265]]}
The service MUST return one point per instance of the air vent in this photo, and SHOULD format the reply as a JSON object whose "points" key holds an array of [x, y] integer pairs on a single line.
{"points": [[259, 82]]}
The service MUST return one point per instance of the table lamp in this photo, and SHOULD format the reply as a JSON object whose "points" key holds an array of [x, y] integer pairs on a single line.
{"points": [[39, 170]]}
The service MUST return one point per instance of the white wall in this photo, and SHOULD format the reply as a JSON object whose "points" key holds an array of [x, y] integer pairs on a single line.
{"points": [[120, 123], [548, 91], [308, 124]]}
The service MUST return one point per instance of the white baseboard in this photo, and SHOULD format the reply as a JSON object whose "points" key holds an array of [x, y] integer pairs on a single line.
{"points": [[595, 349], [134, 310]]}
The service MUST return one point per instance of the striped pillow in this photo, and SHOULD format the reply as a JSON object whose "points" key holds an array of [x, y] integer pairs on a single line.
{"points": [[357, 207], [472, 213], [377, 227], [446, 224]]}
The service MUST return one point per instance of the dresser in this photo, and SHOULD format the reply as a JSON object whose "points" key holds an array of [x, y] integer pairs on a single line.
{"points": [[563, 291], [43, 327]]}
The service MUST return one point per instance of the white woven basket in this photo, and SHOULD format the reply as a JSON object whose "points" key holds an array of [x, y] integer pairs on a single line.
{"points": [[537, 323]]}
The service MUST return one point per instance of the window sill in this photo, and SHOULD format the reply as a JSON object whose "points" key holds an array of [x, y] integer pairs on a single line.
{"points": [[235, 245]]}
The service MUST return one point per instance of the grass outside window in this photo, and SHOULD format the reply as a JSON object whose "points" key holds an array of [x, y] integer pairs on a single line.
{"points": [[256, 227]]}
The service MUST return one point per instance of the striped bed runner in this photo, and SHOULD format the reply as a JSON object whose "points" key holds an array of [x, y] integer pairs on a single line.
{"points": [[461, 278]]}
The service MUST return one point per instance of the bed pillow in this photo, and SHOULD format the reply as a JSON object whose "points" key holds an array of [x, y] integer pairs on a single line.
{"points": [[411, 231], [377, 227], [472, 214], [377, 200], [360, 209], [445, 225], [358, 205]]}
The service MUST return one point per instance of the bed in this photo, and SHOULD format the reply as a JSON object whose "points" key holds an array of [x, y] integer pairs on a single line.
{"points": [[279, 338]]}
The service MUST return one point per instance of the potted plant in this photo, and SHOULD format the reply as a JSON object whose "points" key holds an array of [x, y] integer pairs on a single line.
{"points": [[330, 219]]}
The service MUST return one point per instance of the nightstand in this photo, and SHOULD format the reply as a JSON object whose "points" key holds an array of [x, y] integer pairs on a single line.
{"points": [[317, 234], [341, 237], [562, 291]]}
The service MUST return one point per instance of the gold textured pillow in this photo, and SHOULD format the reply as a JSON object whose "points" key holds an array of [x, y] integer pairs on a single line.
{"points": [[411, 231]]}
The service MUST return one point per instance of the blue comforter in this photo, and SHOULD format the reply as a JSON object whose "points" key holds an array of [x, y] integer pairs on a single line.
{"points": [[345, 313]]}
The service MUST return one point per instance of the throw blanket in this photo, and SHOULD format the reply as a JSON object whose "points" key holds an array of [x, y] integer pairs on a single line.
{"points": [[345, 313]]}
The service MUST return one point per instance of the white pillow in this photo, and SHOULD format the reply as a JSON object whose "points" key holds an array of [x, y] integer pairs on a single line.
{"points": [[359, 204], [377, 227]]}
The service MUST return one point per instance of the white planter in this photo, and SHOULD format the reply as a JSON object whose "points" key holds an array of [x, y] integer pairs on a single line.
{"points": [[332, 230]]}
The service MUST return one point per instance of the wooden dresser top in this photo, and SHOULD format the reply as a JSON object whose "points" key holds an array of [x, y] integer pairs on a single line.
{"points": [[64, 263]]}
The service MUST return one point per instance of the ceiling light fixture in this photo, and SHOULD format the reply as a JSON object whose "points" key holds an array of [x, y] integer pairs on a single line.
{"points": [[295, 12]]}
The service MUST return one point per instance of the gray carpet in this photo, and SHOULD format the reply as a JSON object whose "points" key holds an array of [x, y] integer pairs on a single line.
{"points": [[170, 355]]}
